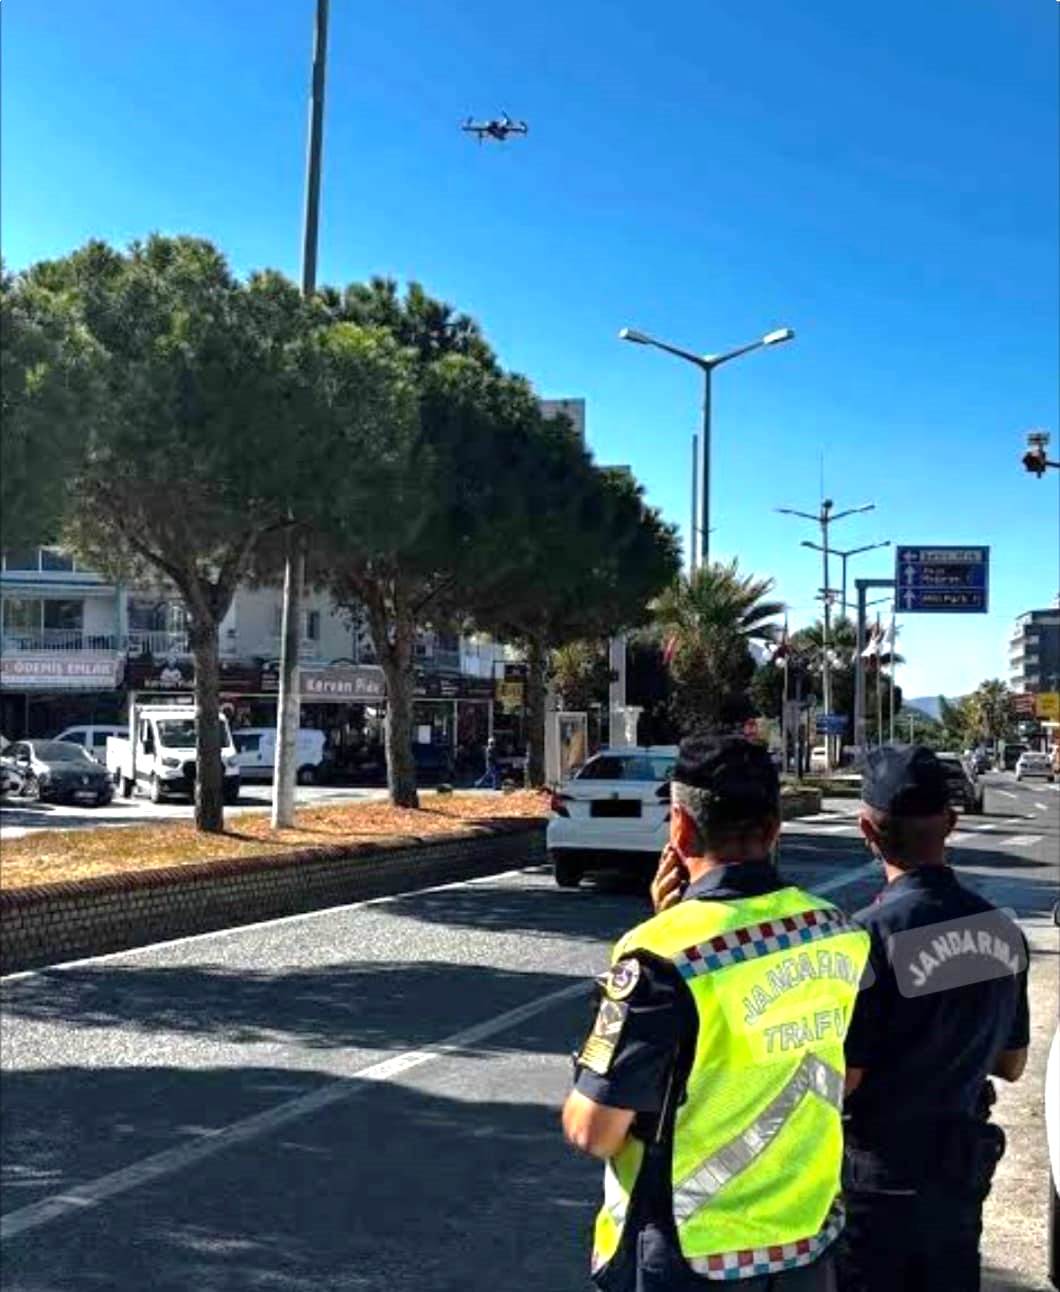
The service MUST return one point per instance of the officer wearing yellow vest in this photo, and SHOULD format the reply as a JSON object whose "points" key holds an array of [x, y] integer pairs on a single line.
{"points": [[712, 1079]]}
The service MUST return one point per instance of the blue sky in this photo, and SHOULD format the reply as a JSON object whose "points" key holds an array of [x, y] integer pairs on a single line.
{"points": [[882, 178]]}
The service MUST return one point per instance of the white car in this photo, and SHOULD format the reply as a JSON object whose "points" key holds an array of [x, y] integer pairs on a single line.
{"points": [[92, 739], [256, 753], [616, 807], [1030, 763]]}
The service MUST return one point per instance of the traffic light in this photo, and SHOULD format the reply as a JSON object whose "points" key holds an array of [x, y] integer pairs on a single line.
{"points": [[1035, 461]]}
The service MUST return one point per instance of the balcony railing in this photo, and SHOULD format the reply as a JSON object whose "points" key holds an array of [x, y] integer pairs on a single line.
{"points": [[58, 639], [157, 642], [72, 640]]}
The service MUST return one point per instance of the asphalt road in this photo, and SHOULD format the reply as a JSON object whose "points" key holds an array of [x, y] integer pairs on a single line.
{"points": [[366, 1098], [19, 817]]}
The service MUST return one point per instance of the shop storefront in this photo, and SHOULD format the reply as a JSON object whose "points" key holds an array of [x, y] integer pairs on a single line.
{"points": [[41, 694]]}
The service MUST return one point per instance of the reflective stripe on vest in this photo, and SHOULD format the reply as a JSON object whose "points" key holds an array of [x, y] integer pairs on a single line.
{"points": [[739, 960], [812, 1076], [771, 1260], [767, 938]]}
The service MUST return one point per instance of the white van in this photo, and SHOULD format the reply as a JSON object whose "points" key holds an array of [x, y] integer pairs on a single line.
{"points": [[256, 753], [162, 758], [92, 739]]}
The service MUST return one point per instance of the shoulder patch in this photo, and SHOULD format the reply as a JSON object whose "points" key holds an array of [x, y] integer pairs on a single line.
{"points": [[599, 1048], [621, 979]]}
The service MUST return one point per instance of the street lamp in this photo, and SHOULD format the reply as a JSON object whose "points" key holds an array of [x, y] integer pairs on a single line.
{"points": [[844, 557], [825, 517], [706, 363]]}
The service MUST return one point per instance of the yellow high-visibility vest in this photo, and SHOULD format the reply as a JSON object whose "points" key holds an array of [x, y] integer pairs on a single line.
{"points": [[757, 1142]]}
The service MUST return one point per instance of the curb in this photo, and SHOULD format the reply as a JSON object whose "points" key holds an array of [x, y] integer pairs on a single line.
{"points": [[68, 921]]}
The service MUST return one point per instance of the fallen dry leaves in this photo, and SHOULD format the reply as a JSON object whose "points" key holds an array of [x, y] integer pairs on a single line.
{"points": [[58, 856]]}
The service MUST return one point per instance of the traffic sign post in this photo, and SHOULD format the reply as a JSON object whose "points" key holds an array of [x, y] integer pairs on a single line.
{"points": [[942, 580]]}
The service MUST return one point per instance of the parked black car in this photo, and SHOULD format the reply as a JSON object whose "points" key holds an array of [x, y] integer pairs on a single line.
{"points": [[59, 772], [966, 790]]}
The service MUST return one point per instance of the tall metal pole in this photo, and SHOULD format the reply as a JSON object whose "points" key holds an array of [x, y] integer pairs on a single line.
{"points": [[893, 652], [704, 497], [693, 533], [860, 742], [826, 664], [288, 702], [843, 594]]}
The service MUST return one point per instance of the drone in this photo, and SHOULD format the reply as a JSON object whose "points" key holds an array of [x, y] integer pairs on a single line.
{"points": [[500, 128]]}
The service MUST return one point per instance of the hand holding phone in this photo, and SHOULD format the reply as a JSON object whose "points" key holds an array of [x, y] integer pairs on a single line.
{"points": [[671, 879]]}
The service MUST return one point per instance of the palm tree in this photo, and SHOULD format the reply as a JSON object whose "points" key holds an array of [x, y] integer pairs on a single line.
{"points": [[990, 706], [707, 623]]}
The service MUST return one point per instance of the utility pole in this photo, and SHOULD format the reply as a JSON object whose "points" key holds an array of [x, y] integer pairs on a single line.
{"points": [[825, 517], [288, 715], [693, 534]]}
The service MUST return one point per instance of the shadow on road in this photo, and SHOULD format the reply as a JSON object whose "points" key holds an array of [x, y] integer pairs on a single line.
{"points": [[375, 1005], [393, 1188]]}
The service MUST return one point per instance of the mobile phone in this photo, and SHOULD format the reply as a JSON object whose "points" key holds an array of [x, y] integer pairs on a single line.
{"points": [[682, 864]]}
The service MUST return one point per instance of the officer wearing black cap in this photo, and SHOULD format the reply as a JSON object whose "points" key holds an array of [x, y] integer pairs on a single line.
{"points": [[946, 1009], [712, 1079]]}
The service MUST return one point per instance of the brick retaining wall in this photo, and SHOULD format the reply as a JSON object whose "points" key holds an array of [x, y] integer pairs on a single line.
{"points": [[40, 926]]}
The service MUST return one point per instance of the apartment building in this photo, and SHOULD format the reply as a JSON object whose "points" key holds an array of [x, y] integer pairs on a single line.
{"points": [[74, 645], [1034, 652]]}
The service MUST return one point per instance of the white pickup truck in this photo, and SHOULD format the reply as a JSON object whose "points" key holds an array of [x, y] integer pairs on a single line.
{"points": [[160, 757]]}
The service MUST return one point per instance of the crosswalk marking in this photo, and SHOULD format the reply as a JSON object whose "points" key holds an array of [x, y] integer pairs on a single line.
{"points": [[960, 837], [833, 829], [1042, 807], [1023, 840]]}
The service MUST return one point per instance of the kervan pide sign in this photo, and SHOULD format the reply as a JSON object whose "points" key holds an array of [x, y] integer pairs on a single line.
{"points": [[364, 683], [40, 672]]}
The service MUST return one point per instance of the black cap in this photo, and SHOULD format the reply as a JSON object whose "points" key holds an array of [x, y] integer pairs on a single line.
{"points": [[904, 780], [738, 777]]}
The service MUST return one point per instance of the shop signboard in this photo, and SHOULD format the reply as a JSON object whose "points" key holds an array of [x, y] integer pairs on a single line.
{"points": [[1047, 706], [342, 684], [510, 695], [55, 671]]}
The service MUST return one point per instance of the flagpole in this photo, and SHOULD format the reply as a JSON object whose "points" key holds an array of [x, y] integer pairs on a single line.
{"points": [[894, 666], [784, 704], [879, 692]]}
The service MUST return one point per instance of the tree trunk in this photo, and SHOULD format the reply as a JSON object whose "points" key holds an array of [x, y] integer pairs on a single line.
{"points": [[209, 779], [400, 765], [535, 714]]}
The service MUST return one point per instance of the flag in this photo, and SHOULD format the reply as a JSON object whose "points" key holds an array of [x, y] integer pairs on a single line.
{"points": [[669, 649], [783, 649], [872, 648]]}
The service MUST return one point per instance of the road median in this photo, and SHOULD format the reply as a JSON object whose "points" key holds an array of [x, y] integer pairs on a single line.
{"points": [[78, 893]]}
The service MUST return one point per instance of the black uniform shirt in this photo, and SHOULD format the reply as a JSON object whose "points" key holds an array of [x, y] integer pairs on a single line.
{"points": [[947, 993]]}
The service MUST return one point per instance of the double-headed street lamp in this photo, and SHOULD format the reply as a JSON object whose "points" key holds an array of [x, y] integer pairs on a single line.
{"points": [[844, 557], [706, 363]]}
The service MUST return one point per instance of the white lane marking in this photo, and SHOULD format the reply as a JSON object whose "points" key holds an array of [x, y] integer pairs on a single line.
{"points": [[1042, 807], [259, 924], [1007, 794], [960, 837], [989, 825], [1022, 840], [159, 1165], [834, 829], [864, 871]]}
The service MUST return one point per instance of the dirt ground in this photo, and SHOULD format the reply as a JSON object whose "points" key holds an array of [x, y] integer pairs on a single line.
{"points": [[59, 856]]}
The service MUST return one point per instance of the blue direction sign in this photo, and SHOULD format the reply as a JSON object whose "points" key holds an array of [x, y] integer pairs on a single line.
{"points": [[830, 724], [946, 580]]}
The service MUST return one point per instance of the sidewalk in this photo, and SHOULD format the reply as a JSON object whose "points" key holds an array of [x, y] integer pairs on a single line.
{"points": [[1015, 1241]]}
